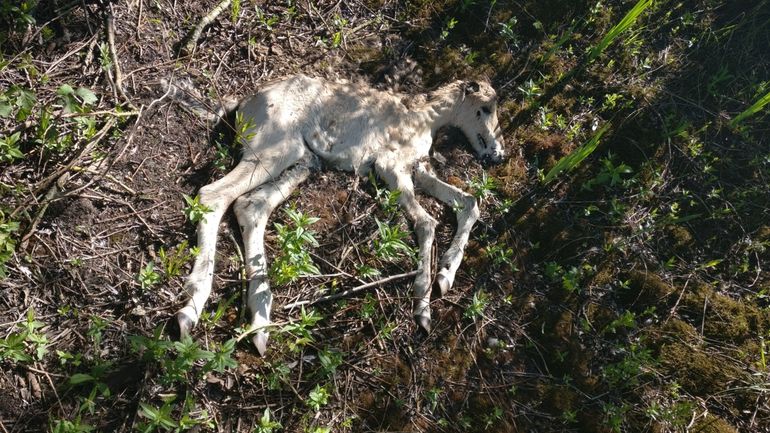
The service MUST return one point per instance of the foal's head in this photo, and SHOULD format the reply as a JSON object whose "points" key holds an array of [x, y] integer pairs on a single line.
{"points": [[476, 116]]}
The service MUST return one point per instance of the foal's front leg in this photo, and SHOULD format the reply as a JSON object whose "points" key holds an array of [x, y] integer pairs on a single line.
{"points": [[253, 211], [467, 215], [400, 178]]}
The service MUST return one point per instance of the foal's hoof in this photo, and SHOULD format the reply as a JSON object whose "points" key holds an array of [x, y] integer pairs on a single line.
{"points": [[442, 284], [423, 322], [260, 342], [185, 323]]}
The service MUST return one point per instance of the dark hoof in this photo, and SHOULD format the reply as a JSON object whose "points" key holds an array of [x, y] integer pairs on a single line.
{"points": [[423, 322], [441, 286], [260, 342], [185, 324]]}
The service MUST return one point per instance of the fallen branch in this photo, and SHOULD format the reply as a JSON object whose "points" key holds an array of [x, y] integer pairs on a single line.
{"points": [[195, 34], [350, 292]]}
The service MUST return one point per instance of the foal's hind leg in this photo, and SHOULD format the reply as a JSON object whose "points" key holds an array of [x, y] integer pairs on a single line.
{"points": [[398, 177], [252, 211], [252, 171]]}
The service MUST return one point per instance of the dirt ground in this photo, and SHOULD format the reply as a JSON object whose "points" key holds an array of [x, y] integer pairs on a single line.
{"points": [[629, 294]]}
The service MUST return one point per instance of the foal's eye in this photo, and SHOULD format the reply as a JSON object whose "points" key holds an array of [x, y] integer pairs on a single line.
{"points": [[485, 110]]}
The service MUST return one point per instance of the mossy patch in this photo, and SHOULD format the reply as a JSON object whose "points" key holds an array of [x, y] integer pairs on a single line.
{"points": [[722, 318], [698, 372], [645, 289], [713, 424]]}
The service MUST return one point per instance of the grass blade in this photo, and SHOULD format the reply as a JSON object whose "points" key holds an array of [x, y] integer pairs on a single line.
{"points": [[619, 28], [754, 109], [577, 156]]}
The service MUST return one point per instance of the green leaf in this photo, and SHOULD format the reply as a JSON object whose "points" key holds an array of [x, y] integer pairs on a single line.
{"points": [[87, 96], [577, 156], [79, 378]]}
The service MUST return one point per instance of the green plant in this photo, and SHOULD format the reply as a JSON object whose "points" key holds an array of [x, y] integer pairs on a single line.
{"points": [[448, 26], [477, 306], [75, 100], [490, 419], [330, 361], [195, 210], [619, 28], [67, 426], [158, 418], [9, 147], [293, 260], [96, 326], [318, 398], [610, 174], [266, 425], [500, 255], [433, 395], [17, 99], [7, 242], [148, 277], [577, 156], [755, 108], [530, 90], [483, 187], [391, 242], [508, 32], [235, 10], [300, 330], [174, 260], [15, 345]]}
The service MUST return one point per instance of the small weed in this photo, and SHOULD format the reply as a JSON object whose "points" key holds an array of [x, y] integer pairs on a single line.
{"points": [[476, 309], [365, 271], [490, 419], [619, 28], [9, 148], [508, 33], [448, 26], [500, 255], [318, 398], [266, 425], [235, 10], [530, 90], [300, 330], [75, 100], [754, 109], [483, 187], [330, 361], [7, 242], [433, 395], [293, 260], [148, 277], [96, 328], [391, 242], [15, 346], [195, 211], [174, 260], [67, 426], [609, 175]]}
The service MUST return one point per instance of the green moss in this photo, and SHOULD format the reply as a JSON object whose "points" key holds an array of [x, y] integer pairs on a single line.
{"points": [[699, 373], [644, 289], [713, 424], [722, 318]]}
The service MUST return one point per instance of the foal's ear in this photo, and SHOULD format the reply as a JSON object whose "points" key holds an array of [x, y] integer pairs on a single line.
{"points": [[470, 87]]}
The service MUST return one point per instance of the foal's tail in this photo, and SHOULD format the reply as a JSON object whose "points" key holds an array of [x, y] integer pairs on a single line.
{"points": [[191, 100]]}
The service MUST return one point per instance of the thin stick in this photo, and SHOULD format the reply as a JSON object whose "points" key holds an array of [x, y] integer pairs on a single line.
{"points": [[350, 292], [205, 21]]}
